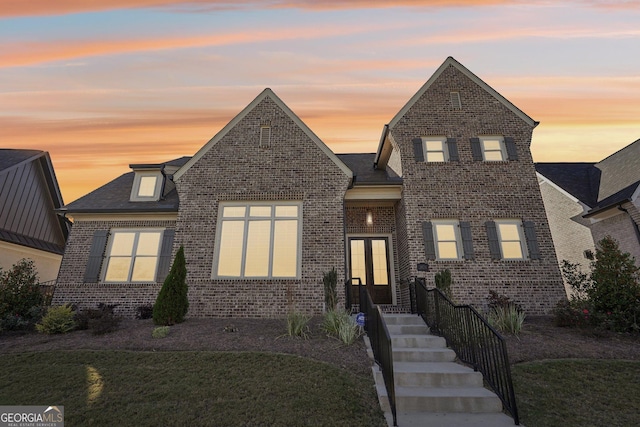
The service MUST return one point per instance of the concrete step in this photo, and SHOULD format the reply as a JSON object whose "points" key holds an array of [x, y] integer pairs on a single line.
{"points": [[417, 341], [447, 399], [423, 355], [408, 329], [413, 419], [433, 374], [402, 319]]}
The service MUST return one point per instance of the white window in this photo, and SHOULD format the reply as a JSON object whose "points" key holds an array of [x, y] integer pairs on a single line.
{"points": [[258, 240], [265, 136], [435, 149], [446, 236], [146, 186], [493, 149], [512, 242], [132, 256]]}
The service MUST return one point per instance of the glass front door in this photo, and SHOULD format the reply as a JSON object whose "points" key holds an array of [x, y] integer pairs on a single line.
{"points": [[369, 261]]}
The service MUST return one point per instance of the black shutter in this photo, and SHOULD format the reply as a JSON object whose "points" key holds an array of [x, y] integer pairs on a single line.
{"points": [[164, 262], [532, 239], [452, 147], [429, 245], [476, 149], [96, 254], [418, 152], [512, 150], [494, 243], [467, 240]]}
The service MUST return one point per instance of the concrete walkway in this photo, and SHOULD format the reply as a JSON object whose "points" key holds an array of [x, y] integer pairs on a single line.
{"points": [[431, 389]]}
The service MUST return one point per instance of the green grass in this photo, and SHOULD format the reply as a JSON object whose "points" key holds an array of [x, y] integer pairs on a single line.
{"points": [[188, 388], [578, 393]]}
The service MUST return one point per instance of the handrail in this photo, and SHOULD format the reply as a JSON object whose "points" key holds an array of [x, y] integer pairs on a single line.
{"points": [[379, 338], [473, 339]]}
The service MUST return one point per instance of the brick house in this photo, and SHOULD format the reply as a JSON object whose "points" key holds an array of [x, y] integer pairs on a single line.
{"points": [[265, 208], [587, 201]]}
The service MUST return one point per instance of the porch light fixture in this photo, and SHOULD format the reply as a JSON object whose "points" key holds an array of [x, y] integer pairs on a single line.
{"points": [[369, 218]]}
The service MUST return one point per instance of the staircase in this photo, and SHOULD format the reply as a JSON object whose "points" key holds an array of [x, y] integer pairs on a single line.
{"points": [[431, 389]]}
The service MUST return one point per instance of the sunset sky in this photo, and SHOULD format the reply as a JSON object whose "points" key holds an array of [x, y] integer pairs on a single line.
{"points": [[101, 84]]}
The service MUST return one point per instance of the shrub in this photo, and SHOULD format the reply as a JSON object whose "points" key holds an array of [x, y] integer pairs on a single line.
{"points": [[572, 313], [58, 320], [144, 311], [349, 331], [508, 319], [443, 282], [330, 280], [19, 295], [331, 321], [339, 324], [101, 320], [160, 332], [172, 303], [298, 324]]}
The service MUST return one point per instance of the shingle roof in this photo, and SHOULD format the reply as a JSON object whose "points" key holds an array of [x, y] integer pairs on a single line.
{"points": [[581, 180], [11, 157], [362, 165], [113, 197], [615, 199]]}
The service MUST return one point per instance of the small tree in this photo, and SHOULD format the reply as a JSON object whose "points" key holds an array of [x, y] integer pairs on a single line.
{"points": [[330, 280], [172, 303], [19, 290], [443, 282]]}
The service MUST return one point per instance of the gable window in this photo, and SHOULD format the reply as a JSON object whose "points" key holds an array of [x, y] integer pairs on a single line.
{"points": [[132, 256], [511, 239], [265, 136], [447, 240], [435, 149], [494, 149], [146, 186], [258, 240]]}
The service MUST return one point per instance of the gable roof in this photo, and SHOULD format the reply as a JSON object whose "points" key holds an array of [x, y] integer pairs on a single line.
{"points": [[266, 93], [365, 172], [114, 197], [450, 61], [619, 170], [581, 180], [616, 199]]}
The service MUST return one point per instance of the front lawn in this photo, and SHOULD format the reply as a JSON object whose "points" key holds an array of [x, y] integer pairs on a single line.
{"points": [[568, 392], [188, 388]]}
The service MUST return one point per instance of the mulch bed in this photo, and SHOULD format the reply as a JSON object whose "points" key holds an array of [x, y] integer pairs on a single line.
{"points": [[539, 340]]}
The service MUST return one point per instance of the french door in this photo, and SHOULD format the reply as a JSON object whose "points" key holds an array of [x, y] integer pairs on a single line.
{"points": [[369, 261]]}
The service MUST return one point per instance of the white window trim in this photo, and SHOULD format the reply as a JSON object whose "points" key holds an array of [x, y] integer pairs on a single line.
{"points": [[135, 197], [521, 235], [458, 236], [503, 150], [444, 151], [245, 219], [105, 263]]}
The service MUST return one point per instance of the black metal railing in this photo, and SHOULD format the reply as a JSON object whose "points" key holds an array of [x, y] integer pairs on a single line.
{"points": [[381, 345], [473, 339]]}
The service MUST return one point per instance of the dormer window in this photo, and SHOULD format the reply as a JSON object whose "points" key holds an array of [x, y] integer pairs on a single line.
{"points": [[147, 183]]}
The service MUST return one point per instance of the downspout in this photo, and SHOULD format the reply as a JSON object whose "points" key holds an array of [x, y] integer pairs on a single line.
{"points": [[346, 243], [635, 225]]}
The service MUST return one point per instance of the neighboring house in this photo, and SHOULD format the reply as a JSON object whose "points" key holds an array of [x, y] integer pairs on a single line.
{"points": [[265, 208], [587, 201], [29, 225]]}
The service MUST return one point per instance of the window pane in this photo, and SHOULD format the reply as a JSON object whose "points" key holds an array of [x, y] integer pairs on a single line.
{"points": [[122, 243], [148, 244], [258, 242], [434, 145], [379, 259], [284, 211], [491, 144], [511, 250], [509, 232], [144, 269], [233, 211], [445, 232], [447, 250], [147, 186], [230, 253], [285, 248], [435, 156], [357, 261], [493, 156], [260, 211], [118, 269]]}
